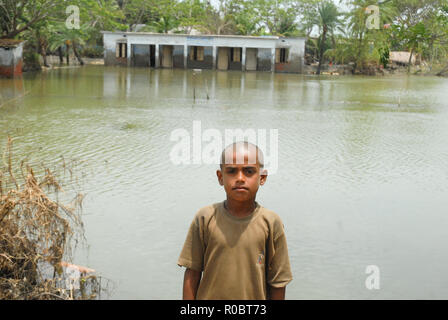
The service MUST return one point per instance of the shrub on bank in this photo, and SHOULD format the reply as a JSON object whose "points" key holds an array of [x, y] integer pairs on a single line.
{"points": [[92, 52], [30, 58], [36, 235]]}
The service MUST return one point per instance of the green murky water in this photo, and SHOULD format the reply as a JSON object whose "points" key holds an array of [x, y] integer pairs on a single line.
{"points": [[362, 173]]}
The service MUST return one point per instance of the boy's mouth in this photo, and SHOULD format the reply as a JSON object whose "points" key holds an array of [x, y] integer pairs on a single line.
{"points": [[240, 188]]}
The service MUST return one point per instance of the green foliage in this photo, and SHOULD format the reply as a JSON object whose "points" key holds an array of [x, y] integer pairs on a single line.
{"points": [[245, 17], [418, 26], [326, 16], [31, 61], [384, 53], [92, 52], [17, 16], [192, 14]]}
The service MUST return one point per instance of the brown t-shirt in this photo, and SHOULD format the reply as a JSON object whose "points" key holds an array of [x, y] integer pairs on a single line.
{"points": [[238, 256]]}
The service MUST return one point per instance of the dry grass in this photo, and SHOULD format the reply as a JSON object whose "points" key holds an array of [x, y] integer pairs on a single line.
{"points": [[36, 235]]}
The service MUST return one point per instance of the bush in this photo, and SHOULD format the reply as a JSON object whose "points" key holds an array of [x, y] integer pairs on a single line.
{"points": [[36, 234], [30, 59], [93, 52]]}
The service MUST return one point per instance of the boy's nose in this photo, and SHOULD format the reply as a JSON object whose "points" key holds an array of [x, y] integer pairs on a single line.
{"points": [[240, 176]]}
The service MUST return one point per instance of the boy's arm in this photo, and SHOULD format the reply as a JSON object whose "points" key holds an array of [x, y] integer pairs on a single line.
{"points": [[276, 293], [191, 284], [278, 267]]}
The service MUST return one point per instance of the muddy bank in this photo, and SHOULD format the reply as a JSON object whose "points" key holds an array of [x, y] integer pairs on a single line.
{"points": [[53, 61]]}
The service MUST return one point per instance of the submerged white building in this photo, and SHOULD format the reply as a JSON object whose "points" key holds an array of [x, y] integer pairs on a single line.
{"points": [[222, 52]]}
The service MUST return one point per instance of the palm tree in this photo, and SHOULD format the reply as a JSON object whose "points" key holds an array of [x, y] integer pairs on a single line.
{"points": [[357, 29], [166, 23], [328, 20], [39, 34], [61, 36], [286, 23]]}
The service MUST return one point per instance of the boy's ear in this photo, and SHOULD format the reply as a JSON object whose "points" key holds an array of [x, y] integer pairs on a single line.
{"points": [[263, 176], [219, 175]]}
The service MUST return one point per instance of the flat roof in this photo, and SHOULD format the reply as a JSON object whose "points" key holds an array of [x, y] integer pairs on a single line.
{"points": [[10, 43], [199, 36]]}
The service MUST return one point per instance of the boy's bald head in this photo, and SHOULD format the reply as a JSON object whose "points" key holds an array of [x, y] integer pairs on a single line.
{"points": [[242, 152]]}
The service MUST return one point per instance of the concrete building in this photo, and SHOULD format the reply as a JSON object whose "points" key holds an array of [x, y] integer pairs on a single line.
{"points": [[11, 60], [223, 52]]}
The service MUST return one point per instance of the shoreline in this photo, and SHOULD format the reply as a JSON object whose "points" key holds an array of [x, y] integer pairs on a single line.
{"points": [[334, 70]]}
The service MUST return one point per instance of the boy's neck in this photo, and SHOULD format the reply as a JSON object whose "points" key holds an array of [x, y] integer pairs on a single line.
{"points": [[240, 209]]}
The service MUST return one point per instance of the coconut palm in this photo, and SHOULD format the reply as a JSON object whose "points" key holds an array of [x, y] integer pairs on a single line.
{"points": [[327, 19], [60, 36], [38, 35]]}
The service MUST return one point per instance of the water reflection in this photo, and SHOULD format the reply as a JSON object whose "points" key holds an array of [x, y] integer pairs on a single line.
{"points": [[286, 91], [10, 89]]}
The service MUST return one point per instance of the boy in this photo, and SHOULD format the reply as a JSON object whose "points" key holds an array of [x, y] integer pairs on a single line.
{"points": [[236, 249]]}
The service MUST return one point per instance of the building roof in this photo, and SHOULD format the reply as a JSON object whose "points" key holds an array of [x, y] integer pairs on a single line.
{"points": [[197, 36], [10, 43], [401, 57]]}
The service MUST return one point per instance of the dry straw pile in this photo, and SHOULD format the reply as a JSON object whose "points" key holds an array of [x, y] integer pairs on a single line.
{"points": [[36, 234]]}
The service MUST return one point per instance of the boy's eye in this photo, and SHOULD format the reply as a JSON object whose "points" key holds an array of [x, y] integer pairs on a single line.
{"points": [[248, 171]]}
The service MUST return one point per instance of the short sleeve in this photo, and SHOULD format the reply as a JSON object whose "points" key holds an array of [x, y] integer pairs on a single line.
{"points": [[192, 255], [278, 266]]}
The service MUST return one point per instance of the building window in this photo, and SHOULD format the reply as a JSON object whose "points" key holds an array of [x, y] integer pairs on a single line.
{"points": [[197, 53], [235, 54], [121, 50], [281, 55]]}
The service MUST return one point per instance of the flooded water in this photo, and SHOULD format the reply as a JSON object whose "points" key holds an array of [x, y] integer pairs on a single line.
{"points": [[362, 173]]}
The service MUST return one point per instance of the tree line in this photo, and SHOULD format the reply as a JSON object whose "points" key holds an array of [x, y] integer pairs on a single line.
{"points": [[336, 30]]}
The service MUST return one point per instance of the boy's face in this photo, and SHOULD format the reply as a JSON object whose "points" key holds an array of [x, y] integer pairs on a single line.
{"points": [[241, 180]]}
